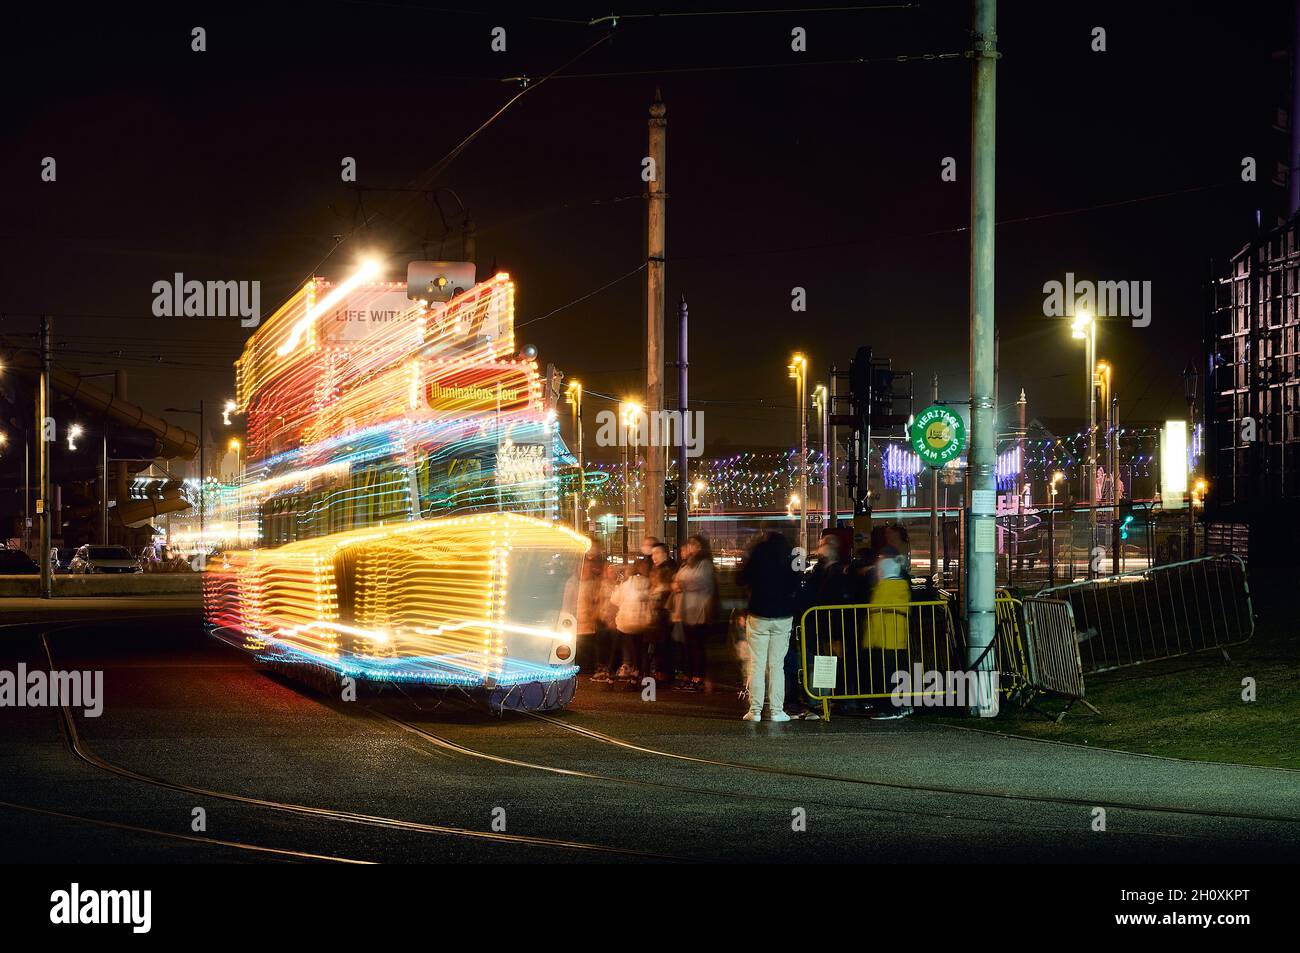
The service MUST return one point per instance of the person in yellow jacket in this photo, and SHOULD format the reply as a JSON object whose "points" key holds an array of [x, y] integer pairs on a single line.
{"points": [[885, 636]]}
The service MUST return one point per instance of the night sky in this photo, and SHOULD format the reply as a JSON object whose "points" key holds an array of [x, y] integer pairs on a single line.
{"points": [[806, 172]]}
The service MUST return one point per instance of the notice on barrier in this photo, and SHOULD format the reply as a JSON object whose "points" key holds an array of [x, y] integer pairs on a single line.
{"points": [[823, 672]]}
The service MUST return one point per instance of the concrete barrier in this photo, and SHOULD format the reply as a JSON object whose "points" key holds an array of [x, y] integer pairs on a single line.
{"points": [[137, 584]]}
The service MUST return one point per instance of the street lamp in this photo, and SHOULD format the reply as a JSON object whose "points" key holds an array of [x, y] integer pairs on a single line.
{"points": [[1057, 477], [203, 441], [798, 371], [573, 395], [697, 490], [74, 432], [1084, 328], [629, 411], [234, 447]]}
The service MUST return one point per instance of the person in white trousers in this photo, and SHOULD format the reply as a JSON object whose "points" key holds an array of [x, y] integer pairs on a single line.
{"points": [[768, 573], [769, 640]]}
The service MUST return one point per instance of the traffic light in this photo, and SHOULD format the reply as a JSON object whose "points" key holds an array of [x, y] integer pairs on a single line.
{"points": [[882, 395], [860, 384]]}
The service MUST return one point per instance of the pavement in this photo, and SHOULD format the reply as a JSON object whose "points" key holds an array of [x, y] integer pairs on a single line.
{"points": [[192, 730]]}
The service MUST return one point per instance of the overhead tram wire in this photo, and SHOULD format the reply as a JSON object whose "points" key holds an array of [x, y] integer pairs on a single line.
{"points": [[590, 294], [422, 182], [954, 229], [740, 67]]}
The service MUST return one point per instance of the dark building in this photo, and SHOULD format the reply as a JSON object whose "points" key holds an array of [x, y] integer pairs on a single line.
{"points": [[1252, 397]]}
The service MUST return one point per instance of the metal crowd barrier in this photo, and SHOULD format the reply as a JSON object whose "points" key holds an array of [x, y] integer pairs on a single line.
{"points": [[854, 652], [1160, 613], [1052, 644], [1012, 654]]}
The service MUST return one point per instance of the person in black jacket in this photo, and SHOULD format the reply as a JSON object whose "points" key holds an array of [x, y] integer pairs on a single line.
{"points": [[769, 575]]}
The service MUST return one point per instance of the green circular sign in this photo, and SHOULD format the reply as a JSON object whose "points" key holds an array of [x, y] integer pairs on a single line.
{"points": [[938, 435]]}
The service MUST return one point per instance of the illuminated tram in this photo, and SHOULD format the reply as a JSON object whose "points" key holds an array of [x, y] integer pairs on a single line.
{"points": [[397, 510]]}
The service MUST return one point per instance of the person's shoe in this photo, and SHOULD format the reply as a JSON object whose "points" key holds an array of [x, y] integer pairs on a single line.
{"points": [[809, 715], [751, 716], [778, 716]]}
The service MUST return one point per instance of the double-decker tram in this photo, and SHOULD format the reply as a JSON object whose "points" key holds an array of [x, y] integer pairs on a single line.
{"points": [[397, 509]]}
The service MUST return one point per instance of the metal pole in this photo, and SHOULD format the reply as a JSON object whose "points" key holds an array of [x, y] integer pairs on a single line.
{"points": [[1190, 551], [981, 575], [826, 449], [1091, 351], [1022, 408], [652, 491], [103, 496], [581, 509], [934, 499], [27, 492], [45, 502], [683, 464], [203, 487], [627, 489], [832, 470], [1116, 547], [803, 454]]}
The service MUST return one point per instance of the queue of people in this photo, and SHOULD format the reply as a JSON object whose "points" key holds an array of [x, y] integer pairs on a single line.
{"points": [[780, 590], [654, 616], [651, 617]]}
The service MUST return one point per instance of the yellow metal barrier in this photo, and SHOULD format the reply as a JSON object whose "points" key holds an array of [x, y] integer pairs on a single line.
{"points": [[1012, 656], [854, 652]]}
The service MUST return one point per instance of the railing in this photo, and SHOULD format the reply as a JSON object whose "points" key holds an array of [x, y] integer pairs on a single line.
{"points": [[880, 652], [1160, 613], [1052, 643], [1012, 651]]}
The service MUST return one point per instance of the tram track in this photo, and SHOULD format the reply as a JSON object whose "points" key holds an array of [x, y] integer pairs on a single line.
{"points": [[77, 745], [443, 743], [624, 744], [175, 835]]}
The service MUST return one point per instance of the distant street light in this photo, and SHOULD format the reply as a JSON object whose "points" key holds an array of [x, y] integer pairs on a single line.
{"points": [[573, 395], [1084, 328], [628, 412], [74, 432], [798, 372]]}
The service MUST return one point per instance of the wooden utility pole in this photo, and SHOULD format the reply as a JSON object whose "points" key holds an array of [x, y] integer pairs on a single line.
{"points": [[652, 499]]}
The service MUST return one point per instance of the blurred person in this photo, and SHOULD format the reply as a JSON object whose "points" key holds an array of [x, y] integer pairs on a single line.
{"points": [[660, 556], [659, 639], [609, 647], [886, 636], [769, 576], [634, 618], [696, 586], [826, 583], [587, 607]]}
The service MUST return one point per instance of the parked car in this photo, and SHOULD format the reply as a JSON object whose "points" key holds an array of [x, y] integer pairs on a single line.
{"points": [[15, 562], [104, 559]]}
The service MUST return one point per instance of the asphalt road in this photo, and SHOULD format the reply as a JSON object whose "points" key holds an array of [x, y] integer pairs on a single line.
{"points": [[282, 773]]}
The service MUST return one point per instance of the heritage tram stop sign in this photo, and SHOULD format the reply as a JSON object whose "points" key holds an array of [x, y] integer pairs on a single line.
{"points": [[938, 435]]}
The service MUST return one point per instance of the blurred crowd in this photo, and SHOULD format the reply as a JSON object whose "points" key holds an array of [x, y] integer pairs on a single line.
{"points": [[651, 617], [657, 616]]}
